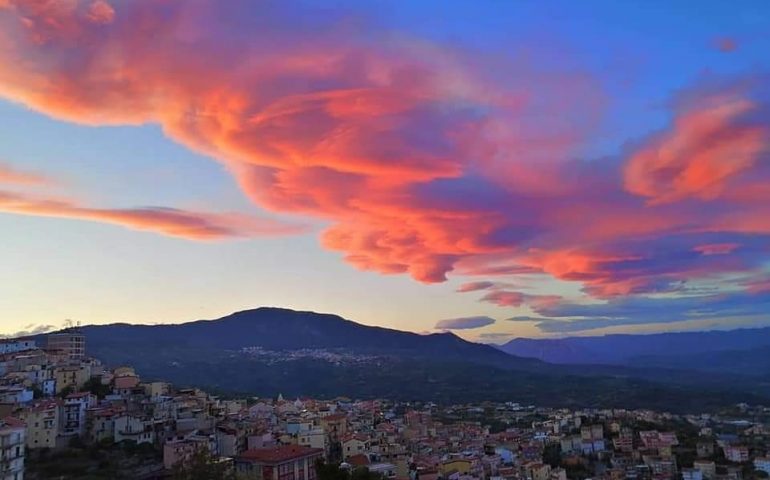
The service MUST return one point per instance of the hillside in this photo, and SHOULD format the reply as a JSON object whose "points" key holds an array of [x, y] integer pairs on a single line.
{"points": [[628, 349], [267, 350]]}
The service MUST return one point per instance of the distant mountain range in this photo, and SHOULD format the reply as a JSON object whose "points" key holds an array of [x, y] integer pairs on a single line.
{"points": [[267, 351], [742, 351]]}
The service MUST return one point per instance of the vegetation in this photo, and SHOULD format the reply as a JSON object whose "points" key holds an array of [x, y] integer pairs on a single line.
{"points": [[330, 471], [203, 466]]}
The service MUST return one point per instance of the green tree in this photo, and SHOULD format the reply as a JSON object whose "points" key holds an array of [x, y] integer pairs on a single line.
{"points": [[95, 386]]}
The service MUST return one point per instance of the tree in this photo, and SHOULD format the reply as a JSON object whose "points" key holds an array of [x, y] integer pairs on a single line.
{"points": [[95, 386], [202, 465]]}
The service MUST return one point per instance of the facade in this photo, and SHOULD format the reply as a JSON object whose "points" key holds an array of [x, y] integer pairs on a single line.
{"points": [[762, 463], [42, 420], [708, 468], [692, 474], [16, 345], [71, 377], [73, 416], [72, 342], [12, 449], [286, 462], [737, 453]]}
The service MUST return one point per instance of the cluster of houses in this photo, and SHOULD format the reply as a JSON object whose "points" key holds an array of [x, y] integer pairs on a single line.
{"points": [[53, 395]]}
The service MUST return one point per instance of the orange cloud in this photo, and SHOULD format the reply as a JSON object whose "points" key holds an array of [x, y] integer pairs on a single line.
{"points": [[13, 176], [168, 221]]}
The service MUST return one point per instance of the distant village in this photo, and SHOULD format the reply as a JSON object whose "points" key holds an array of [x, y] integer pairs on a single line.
{"points": [[64, 415]]}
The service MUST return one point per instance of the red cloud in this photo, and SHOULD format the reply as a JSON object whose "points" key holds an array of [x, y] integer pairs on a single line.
{"points": [[173, 222], [709, 145], [420, 161]]}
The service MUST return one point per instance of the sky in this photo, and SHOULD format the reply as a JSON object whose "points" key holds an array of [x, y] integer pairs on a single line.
{"points": [[495, 169]]}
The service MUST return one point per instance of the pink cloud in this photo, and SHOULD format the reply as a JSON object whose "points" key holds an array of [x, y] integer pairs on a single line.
{"points": [[716, 248], [419, 160], [172, 222], [475, 286], [710, 145], [13, 176]]}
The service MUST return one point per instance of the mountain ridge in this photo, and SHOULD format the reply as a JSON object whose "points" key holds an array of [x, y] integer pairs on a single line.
{"points": [[268, 350]]}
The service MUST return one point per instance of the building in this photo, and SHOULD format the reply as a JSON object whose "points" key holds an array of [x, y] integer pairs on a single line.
{"points": [[71, 377], [286, 462], [708, 467], [692, 474], [73, 414], [737, 453], [12, 449], [179, 450], [42, 420], [16, 345], [71, 341], [762, 463]]}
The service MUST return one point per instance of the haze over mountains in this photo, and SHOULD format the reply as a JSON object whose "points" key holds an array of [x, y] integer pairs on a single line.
{"points": [[269, 350], [743, 351]]}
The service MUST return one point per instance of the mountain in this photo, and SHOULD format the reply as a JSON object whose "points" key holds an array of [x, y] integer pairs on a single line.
{"points": [[267, 351], [633, 349], [280, 329]]}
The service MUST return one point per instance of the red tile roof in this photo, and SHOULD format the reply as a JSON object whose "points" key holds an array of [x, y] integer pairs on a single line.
{"points": [[358, 460], [280, 454], [12, 422]]}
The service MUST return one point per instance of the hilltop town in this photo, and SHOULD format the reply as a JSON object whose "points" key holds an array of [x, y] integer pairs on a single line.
{"points": [[65, 415]]}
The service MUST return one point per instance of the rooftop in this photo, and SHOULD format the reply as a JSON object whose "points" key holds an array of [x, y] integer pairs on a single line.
{"points": [[280, 454]]}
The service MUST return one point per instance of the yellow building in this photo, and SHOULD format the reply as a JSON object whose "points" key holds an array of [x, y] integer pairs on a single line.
{"points": [[74, 377], [460, 465], [42, 421]]}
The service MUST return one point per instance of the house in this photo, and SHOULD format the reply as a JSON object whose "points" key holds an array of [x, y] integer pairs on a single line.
{"points": [[15, 345], [101, 424], [763, 464], [72, 417], [133, 428], [180, 449], [42, 420], [354, 445], [315, 438], [736, 453], [692, 474], [73, 377], [460, 465], [285, 462], [12, 448], [708, 468]]}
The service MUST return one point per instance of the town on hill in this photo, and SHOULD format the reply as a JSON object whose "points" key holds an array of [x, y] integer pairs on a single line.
{"points": [[66, 415]]}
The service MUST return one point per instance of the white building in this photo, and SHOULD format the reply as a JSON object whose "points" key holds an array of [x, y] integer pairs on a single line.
{"points": [[12, 440], [691, 474], [762, 463], [15, 345]]}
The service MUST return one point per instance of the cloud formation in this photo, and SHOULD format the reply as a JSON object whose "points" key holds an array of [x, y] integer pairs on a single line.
{"points": [[168, 221], [464, 323], [9, 175], [422, 159], [30, 330]]}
